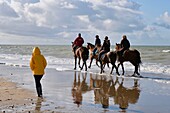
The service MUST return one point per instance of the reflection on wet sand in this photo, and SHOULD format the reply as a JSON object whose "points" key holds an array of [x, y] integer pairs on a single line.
{"points": [[105, 88], [125, 95], [38, 104], [79, 87]]}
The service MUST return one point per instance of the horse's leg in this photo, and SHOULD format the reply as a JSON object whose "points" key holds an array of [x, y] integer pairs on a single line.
{"points": [[97, 63], [112, 69], [116, 70], [75, 62], [82, 66], [136, 70], [108, 65], [90, 62], [113, 65], [123, 70], [85, 65], [79, 63], [101, 67]]}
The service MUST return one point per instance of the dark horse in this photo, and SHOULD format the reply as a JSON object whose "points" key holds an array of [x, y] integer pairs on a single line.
{"points": [[82, 53], [133, 56], [91, 48], [109, 57]]}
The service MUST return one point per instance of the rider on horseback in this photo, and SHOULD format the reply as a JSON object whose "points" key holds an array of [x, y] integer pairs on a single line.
{"points": [[97, 43], [105, 47], [125, 45], [78, 42]]}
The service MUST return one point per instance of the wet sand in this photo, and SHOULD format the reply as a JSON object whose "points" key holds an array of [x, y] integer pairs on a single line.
{"points": [[79, 92], [13, 97]]}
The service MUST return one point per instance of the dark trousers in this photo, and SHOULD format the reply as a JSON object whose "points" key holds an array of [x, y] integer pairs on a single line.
{"points": [[101, 53], [38, 84]]}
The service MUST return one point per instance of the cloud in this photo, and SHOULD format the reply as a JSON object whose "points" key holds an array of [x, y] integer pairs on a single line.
{"points": [[65, 18], [6, 10], [164, 20]]}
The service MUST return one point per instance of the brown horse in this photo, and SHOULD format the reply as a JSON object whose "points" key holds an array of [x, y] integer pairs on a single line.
{"points": [[91, 47], [133, 56], [82, 53], [109, 57]]}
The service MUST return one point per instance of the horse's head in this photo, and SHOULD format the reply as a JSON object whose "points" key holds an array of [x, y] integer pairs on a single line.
{"points": [[118, 46], [72, 44], [90, 46]]}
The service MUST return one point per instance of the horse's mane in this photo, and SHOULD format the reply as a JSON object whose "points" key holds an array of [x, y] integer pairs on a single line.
{"points": [[90, 44]]}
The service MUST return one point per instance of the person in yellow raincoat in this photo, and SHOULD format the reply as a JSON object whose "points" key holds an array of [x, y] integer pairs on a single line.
{"points": [[38, 64]]}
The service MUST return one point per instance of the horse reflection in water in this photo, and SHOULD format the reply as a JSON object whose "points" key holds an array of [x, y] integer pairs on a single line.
{"points": [[79, 87], [125, 95], [105, 88]]}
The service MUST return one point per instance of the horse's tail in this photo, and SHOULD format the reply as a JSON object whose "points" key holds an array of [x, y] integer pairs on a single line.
{"points": [[138, 59]]}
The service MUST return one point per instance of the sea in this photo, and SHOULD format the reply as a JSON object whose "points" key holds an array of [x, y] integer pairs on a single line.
{"points": [[155, 59], [151, 94]]}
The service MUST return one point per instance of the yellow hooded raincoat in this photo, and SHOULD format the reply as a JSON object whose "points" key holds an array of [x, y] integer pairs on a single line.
{"points": [[38, 62]]}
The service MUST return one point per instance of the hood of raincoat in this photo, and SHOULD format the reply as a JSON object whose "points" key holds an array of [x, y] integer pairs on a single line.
{"points": [[36, 51]]}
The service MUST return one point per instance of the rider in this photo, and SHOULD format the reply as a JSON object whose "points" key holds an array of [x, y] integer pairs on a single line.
{"points": [[97, 43], [78, 42], [105, 47], [125, 44]]}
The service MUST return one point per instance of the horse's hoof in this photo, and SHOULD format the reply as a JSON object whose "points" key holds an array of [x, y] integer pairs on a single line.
{"points": [[117, 73], [122, 73], [74, 68], [89, 66]]}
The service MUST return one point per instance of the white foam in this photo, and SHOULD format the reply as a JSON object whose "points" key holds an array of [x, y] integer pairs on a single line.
{"points": [[166, 51], [64, 64]]}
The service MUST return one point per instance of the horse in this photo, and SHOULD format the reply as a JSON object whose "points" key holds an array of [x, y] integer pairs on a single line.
{"points": [[91, 48], [109, 57], [133, 56], [82, 53]]}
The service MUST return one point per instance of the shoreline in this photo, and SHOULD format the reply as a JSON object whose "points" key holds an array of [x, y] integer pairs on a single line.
{"points": [[61, 88]]}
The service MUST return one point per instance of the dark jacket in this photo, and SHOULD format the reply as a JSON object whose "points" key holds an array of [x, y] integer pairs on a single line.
{"points": [[106, 45], [97, 42], [125, 44]]}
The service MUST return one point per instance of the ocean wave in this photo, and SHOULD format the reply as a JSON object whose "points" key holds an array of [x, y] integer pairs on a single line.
{"points": [[166, 51], [65, 64]]}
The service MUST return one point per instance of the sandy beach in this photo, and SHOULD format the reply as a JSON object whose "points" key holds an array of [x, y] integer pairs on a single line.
{"points": [[13, 97], [80, 92]]}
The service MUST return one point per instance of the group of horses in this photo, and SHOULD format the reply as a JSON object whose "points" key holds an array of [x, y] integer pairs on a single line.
{"points": [[82, 53]]}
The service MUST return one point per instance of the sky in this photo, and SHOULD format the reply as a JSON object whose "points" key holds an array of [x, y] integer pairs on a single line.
{"points": [[58, 22]]}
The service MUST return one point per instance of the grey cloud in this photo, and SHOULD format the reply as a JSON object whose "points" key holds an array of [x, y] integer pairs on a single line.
{"points": [[7, 11], [50, 18], [164, 25]]}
